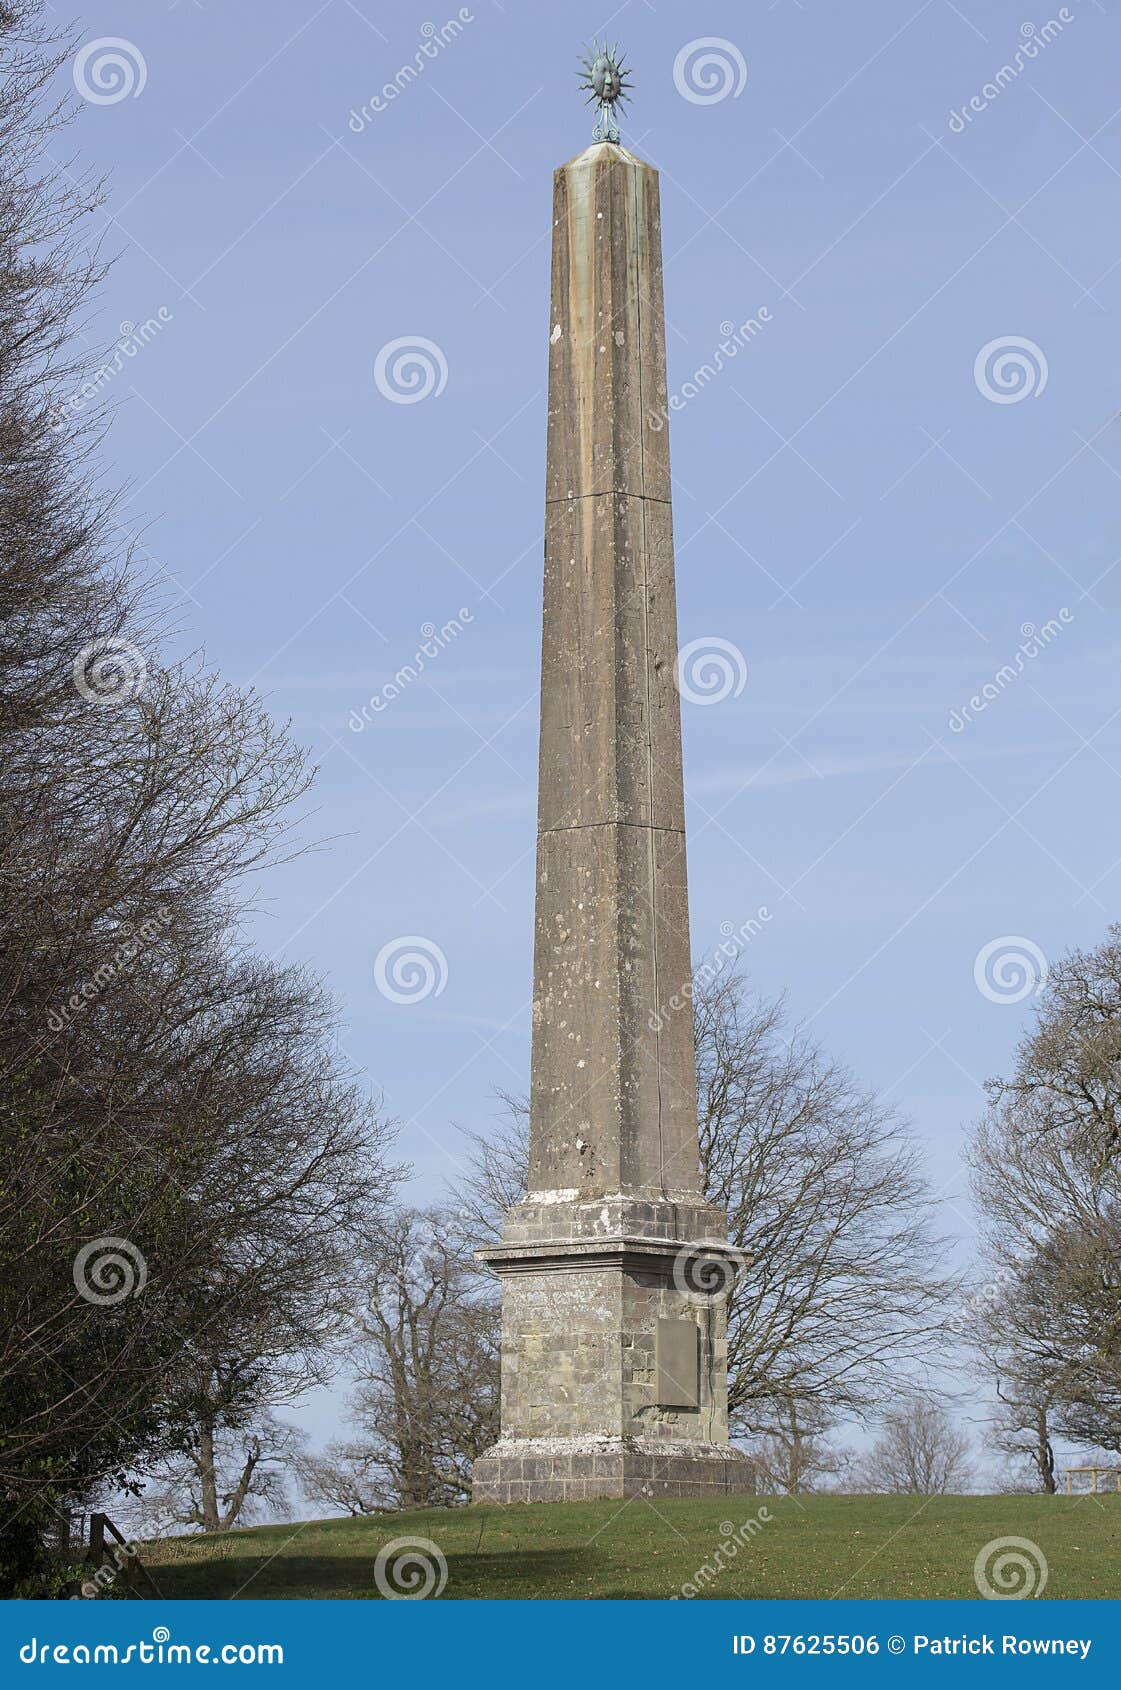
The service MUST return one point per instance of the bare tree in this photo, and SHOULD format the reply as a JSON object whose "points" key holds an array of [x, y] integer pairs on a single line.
{"points": [[798, 1456], [495, 1174], [282, 1256], [919, 1452], [1046, 1167], [825, 1195], [1071, 1293], [348, 1477], [221, 1476], [1022, 1430], [425, 1347]]}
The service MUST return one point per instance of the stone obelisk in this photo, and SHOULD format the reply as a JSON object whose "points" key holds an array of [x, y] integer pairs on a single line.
{"points": [[614, 1352]]}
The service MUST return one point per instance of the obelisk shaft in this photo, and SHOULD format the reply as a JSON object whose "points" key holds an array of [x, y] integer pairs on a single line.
{"points": [[613, 1080], [614, 1369]]}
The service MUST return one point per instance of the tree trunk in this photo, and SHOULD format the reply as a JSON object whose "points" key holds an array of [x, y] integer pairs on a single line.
{"points": [[1044, 1455], [795, 1456], [236, 1498], [208, 1483]]}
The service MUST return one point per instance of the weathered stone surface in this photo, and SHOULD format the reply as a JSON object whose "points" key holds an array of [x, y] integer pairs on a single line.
{"points": [[641, 1219], [608, 698], [619, 1468], [591, 1263], [579, 1345], [613, 1083], [607, 355]]}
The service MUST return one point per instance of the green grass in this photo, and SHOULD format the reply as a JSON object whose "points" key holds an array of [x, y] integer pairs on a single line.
{"points": [[820, 1546]]}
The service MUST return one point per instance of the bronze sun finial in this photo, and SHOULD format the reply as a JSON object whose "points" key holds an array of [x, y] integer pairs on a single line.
{"points": [[603, 75]]}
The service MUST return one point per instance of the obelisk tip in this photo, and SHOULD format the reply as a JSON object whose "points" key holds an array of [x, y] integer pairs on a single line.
{"points": [[606, 79]]}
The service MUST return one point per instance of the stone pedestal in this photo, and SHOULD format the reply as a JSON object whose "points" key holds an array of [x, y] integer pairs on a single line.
{"points": [[614, 1354], [614, 1269]]}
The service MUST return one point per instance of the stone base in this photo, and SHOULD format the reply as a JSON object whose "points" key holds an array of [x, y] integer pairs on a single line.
{"points": [[575, 1469]]}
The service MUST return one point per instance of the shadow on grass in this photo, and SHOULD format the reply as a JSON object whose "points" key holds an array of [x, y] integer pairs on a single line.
{"points": [[516, 1574]]}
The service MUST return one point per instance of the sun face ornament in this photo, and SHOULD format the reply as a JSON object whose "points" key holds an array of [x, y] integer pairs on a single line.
{"points": [[606, 80]]}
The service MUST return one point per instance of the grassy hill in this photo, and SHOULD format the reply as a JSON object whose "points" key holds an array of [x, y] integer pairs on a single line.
{"points": [[820, 1546]]}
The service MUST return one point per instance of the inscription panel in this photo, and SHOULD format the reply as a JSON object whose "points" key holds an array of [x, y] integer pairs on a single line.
{"points": [[677, 1363]]}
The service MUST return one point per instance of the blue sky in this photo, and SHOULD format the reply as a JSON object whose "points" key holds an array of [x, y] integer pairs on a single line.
{"points": [[861, 513]]}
